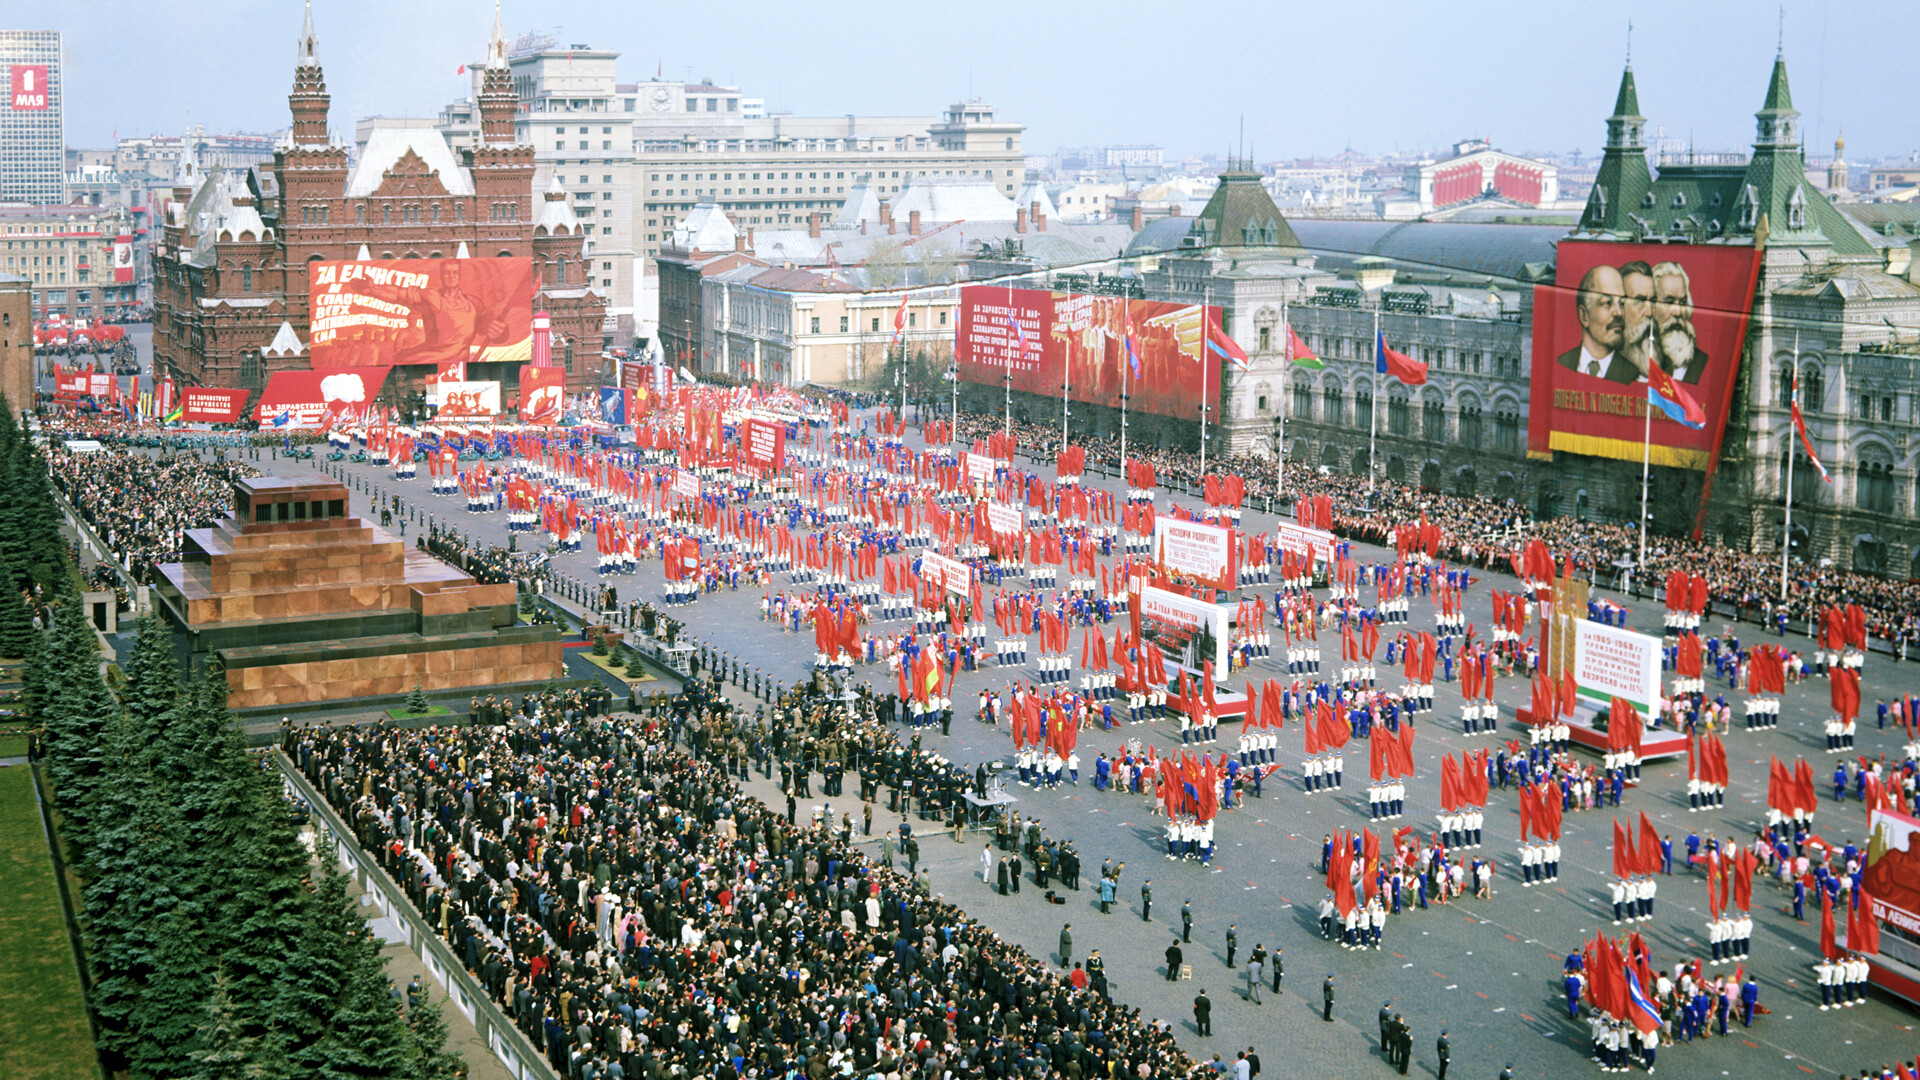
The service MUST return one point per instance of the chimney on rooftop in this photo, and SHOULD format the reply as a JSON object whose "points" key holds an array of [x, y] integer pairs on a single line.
{"points": [[739, 241], [750, 240], [886, 213], [1020, 220], [913, 222], [1174, 210], [813, 226], [1138, 217], [1039, 220]]}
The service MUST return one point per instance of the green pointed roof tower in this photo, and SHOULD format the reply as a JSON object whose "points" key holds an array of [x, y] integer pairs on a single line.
{"points": [[1241, 214], [1775, 189], [1623, 178]]}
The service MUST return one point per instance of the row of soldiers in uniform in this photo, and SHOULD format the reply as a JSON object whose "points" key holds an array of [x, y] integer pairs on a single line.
{"points": [[1199, 730], [1190, 839], [1843, 981], [1479, 716], [1839, 735], [1539, 863], [1321, 773], [1730, 937], [1387, 800], [1704, 796], [1632, 899]]}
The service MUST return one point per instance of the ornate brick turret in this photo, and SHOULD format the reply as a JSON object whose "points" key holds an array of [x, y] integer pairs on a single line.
{"points": [[498, 102], [309, 99]]}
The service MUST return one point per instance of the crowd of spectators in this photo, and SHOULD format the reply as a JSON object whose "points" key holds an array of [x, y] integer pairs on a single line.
{"points": [[629, 906], [1487, 532], [139, 504]]}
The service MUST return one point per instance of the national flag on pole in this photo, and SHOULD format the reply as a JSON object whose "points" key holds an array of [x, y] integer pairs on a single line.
{"points": [[900, 320], [1019, 337], [1670, 398], [1397, 364], [1800, 425], [1641, 1010], [1298, 353], [1225, 347], [1133, 345]]}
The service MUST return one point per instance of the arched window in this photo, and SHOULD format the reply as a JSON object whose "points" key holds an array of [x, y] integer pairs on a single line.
{"points": [[1813, 390], [1433, 421], [1363, 407], [1333, 408], [246, 277], [386, 214], [1470, 428], [360, 214], [436, 213], [560, 271], [1399, 416], [459, 213], [1873, 486]]}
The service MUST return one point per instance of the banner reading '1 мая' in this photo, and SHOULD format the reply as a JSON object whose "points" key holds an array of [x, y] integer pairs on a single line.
{"points": [[1044, 337], [1615, 309], [421, 311]]}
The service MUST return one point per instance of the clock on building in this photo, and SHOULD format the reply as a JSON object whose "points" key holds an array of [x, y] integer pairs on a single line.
{"points": [[660, 99]]}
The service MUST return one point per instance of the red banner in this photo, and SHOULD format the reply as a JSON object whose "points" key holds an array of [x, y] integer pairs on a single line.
{"points": [[421, 311], [763, 444], [323, 397], [541, 389], [211, 404], [29, 87], [1049, 338], [1613, 310], [71, 383]]}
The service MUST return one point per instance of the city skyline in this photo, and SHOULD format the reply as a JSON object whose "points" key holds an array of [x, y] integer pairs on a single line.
{"points": [[404, 61]]}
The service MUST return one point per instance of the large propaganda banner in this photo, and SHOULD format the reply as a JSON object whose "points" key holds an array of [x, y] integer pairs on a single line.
{"points": [[211, 404], [1892, 875], [954, 575], [1610, 662], [470, 400], [1313, 545], [322, 397], [540, 394], [1180, 627], [1049, 338], [1615, 309], [763, 444], [378, 313], [1194, 551]]}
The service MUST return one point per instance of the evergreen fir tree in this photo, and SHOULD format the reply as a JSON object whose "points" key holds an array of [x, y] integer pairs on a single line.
{"points": [[224, 1053], [36, 528], [417, 702], [303, 1007], [153, 679], [173, 1002], [427, 1030], [77, 713], [16, 621]]}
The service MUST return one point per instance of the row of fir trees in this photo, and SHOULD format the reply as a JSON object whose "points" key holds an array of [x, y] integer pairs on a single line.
{"points": [[216, 949]]}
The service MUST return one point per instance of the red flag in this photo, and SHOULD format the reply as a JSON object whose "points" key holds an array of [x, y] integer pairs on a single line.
{"points": [[1625, 864], [1827, 947], [1649, 846], [1397, 364]]}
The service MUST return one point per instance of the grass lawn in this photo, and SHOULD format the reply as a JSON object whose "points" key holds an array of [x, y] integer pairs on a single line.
{"points": [[43, 1021], [13, 746], [402, 713], [633, 673]]}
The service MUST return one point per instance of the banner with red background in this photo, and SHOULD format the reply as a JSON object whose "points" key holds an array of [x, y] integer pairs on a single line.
{"points": [[421, 311], [1068, 334], [541, 390], [763, 444], [1617, 307], [211, 404], [321, 397]]}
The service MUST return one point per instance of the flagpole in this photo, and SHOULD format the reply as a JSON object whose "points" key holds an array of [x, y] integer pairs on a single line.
{"points": [[1373, 404], [1126, 362], [1280, 407], [1206, 360], [1646, 463], [1786, 500], [1008, 428]]}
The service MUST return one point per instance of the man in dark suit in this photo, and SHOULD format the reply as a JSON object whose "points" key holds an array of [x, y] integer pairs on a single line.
{"points": [[1600, 305], [1203, 1014], [1326, 996]]}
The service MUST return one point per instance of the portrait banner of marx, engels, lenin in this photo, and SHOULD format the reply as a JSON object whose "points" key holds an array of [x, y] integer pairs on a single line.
{"points": [[1613, 312]]}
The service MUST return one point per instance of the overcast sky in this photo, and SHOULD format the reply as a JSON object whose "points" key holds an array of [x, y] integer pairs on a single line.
{"points": [[1309, 77]]}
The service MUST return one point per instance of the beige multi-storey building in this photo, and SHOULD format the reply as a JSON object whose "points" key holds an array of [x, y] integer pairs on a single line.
{"points": [[636, 158], [66, 252]]}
